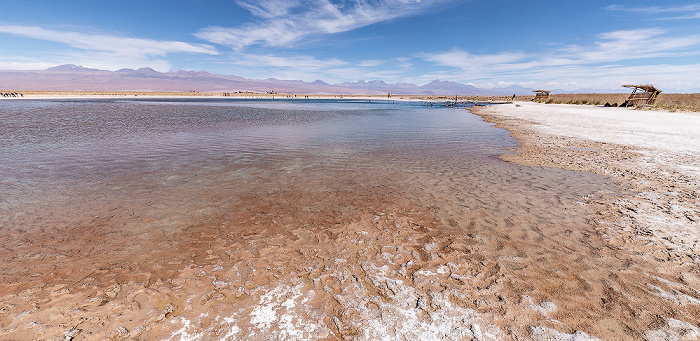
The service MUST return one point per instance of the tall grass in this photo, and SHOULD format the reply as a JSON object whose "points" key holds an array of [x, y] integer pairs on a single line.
{"points": [[670, 102], [678, 102], [665, 101], [590, 99]]}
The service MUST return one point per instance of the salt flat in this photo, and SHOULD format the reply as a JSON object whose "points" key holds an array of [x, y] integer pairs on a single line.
{"points": [[664, 134]]}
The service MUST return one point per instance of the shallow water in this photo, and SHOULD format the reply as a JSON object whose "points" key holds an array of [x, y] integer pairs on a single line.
{"points": [[85, 156], [141, 189], [68, 145]]}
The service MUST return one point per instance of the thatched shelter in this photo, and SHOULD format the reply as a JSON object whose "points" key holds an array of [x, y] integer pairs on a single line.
{"points": [[641, 95], [541, 95]]}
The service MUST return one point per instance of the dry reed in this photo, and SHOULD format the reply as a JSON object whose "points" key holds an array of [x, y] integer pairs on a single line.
{"points": [[665, 101]]}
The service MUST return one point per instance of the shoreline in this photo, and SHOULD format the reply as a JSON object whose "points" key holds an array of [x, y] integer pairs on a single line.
{"points": [[58, 95], [653, 157], [678, 103]]}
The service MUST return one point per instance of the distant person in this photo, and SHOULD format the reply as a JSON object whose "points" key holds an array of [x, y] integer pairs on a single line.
{"points": [[513, 99]]}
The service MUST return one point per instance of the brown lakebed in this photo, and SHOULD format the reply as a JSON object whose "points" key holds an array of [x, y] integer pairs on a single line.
{"points": [[231, 219]]}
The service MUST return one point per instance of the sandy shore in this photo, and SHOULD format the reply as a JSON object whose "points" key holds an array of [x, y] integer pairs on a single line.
{"points": [[654, 157]]}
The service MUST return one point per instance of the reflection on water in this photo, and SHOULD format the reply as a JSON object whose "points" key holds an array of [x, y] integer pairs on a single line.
{"points": [[53, 148], [161, 167]]}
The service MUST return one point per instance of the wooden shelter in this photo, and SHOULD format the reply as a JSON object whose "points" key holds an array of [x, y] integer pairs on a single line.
{"points": [[641, 95], [541, 95]]}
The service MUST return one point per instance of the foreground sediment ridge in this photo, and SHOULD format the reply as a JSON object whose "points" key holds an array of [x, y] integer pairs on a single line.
{"points": [[330, 255]]}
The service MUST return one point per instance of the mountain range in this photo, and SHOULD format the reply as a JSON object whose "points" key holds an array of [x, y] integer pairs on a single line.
{"points": [[77, 78]]}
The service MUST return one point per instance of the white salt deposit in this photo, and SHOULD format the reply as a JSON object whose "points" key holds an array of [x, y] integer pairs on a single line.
{"points": [[412, 315], [674, 132], [673, 330], [543, 333], [675, 296], [543, 308], [187, 332]]}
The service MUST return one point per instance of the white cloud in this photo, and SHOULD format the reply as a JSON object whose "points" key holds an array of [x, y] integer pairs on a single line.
{"points": [[116, 44], [371, 63], [12, 65], [656, 9], [576, 77], [691, 11], [101, 49], [285, 22], [664, 76], [475, 63], [633, 44], [109, 61], [308, 68], [403, 62], [269, 8], [613, 47], [684, 17], [302, 62], [607, 62]]}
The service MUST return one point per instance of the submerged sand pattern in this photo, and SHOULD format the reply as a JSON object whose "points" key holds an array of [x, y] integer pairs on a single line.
{"points": [[426, 243]]}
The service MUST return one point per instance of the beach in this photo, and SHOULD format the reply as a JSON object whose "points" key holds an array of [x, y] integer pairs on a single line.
{"points": [[653, 156], [347, 223]]}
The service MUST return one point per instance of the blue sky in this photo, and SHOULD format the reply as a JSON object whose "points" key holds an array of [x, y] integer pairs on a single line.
{"points": [[488, 43]]}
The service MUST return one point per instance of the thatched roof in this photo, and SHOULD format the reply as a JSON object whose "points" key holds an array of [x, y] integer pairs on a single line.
{"points": [[647, 88], [542, 91]]}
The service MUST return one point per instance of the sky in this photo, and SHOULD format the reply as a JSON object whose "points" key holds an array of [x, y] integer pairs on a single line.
{"points": [[550, 44]]}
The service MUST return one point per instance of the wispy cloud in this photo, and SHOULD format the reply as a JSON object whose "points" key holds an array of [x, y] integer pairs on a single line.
{"points": [[576, 77], [14, 64], [284, 22], [477, 63], [611, 54], [301, 62], [695, 15], [270, 8], [691, 11], [612, 47], [656, 9], [633, 44], [403, 62], [110, 49], [371, 63], [309, 68]]}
